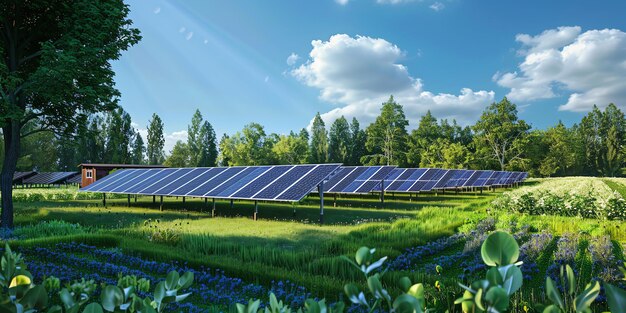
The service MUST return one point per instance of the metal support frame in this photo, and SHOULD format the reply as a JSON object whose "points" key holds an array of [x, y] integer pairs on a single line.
{"points": [[129, 200], [231, 204], [335, 200], [320, 189], [161, 205], [104, 199], [382, 191], [153, 199], [256, 209], [213, 210], [183, 200], [135, 198]]}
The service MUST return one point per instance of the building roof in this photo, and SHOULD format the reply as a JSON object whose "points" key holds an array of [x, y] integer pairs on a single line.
{"points": [[105, 165]]}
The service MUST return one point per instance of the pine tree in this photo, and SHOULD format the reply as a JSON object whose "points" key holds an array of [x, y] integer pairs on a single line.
{"points": [[339, 141], [319, 141], [156, 140]]}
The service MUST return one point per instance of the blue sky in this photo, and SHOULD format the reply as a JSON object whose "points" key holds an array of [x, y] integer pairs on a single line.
{"points": [[231, 59]]}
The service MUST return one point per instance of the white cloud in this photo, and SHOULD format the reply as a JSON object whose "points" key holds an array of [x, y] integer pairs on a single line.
{"points": [[437, 6], [267, 79], [170, 138], [342, 2], [589, 68], [206, 41], [157, 10], [292, 59], [359, 73], [182, 29], [189, 35]]}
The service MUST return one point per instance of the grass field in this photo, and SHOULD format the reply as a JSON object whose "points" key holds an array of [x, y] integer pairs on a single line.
{"points": [[286, 251]]}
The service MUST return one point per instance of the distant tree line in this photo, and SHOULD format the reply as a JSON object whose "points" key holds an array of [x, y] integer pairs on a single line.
{"points": [[499, 140]]}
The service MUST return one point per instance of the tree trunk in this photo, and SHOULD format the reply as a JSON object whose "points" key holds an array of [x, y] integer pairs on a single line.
{"points": [[11, 134]]}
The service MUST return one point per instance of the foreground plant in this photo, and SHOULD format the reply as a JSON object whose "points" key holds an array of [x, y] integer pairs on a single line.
{"points": [[18, 294]]}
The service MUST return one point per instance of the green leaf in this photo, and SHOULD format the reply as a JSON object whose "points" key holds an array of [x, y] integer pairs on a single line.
{"points": [[362, 255], [498, 298], [583, 301], [375, 286], [407, 304], [500, 248], [36, 297], [404, 283], [171, 281], [186, 280], [571, 279], [552, 309], [66, 298], [553, 293], [111, 298], [615, 297], [513, 278], [93, 308], [417, 291], [159, 292]]}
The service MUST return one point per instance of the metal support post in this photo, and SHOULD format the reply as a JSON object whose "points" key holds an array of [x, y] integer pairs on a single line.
{"points": [[256, 209], [321, 192], [213, 210], [161, 205]]}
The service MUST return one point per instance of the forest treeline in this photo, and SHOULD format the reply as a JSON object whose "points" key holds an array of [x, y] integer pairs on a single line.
{"points": [[498, 140]]}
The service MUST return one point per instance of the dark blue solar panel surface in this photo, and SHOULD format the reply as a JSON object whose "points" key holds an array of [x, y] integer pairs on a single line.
{"points": [[284, 182], [201, 180], [262, 181], [155, 175], [308, 182], [223, 177], [473, 179], [493, 179], [357, 179], [278, 183]]}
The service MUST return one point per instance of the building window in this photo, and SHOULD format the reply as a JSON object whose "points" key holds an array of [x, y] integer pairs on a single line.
{"points": [[89, 173]]}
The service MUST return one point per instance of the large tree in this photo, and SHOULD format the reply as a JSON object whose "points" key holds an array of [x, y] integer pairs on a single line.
{"points": [[55, 67], [357, 143], [387, 136], [500, 135], [138, 149], [156, 140], [194, 139], [208, 145], [179, 156], [318, 151], [339, 141]]}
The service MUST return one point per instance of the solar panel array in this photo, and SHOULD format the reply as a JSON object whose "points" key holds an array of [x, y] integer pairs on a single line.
{"points": [[22, 175], [357, 179], [75, 180], [271, 183], [427, 179], [49, 178]]}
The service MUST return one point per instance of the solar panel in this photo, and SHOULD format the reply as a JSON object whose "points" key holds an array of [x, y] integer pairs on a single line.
{"points": [[357, 179], [472, 181], [47, 178], [460, 178], [271, 183], [21, 175], [75, 180], [453, 181]]}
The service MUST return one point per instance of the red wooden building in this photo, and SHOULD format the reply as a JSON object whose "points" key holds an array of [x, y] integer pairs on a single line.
{"points": [[90, 172]]}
